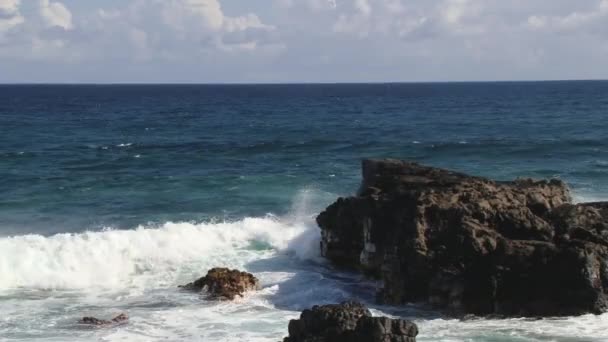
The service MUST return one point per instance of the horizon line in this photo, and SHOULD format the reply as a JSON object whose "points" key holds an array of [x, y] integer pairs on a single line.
{"points": [[294, 83]]}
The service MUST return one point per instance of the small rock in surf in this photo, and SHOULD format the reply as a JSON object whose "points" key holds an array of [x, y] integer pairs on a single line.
{"points": [[348, 322], [122, 318], [223, 283]]}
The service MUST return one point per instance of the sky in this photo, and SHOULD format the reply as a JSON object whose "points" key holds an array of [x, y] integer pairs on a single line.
{"points": [[291, 41]]}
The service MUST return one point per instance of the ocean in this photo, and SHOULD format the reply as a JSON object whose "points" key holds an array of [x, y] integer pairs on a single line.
{"points": [[113, 195]]}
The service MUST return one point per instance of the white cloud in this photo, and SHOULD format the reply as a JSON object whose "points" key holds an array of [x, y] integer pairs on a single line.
{"points": [[383, 17], [315, 5], [32, 30], [191, 21], [321, 4], [453, 10], [245, 22], [55, 14], [162, 30], [142, 28], [207, 14], [571, 22], [463, 17], [9, 7], [9, 15], [44, 14], [363, 7], [537, 22]]}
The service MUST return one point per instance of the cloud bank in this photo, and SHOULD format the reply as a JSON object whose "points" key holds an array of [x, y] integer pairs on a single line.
{"points": [[301, 40]]}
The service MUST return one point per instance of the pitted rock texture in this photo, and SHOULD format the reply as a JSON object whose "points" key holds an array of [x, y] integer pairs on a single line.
{"points": [[223, 283], [348, 322], [469, 244]]}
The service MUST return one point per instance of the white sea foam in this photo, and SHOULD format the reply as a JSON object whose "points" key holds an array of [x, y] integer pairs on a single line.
{"points": [[587, 328], [583, 197], [145, 256]]}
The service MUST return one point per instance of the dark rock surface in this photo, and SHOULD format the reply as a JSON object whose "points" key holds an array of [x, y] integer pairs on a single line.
{"points": [[122, 318], [223, 283], [348, 322], [469, 244]]}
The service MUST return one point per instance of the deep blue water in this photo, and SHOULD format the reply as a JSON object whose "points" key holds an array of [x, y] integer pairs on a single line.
{"points": [[157, 184], [90, 156]]}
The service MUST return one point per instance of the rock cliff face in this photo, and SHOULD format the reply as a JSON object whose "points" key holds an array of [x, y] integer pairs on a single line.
{"points": [[223, 283], [469, 244], [348, 322]]}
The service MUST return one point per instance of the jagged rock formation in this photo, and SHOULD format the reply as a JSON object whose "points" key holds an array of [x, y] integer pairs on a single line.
{"points": [[469, 244], [348, 322], [223, 283]]}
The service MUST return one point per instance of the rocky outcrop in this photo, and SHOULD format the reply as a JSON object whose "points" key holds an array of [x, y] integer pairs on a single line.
{"points": [[348, 322], [469, 244], [223, 283], [122, 318]]}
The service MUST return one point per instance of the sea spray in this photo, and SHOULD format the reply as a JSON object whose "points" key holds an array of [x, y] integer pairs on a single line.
{"points": [[153, 256]]}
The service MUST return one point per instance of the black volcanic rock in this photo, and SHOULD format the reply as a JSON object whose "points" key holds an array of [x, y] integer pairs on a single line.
{"points": [[122, 318], [348, 322], [469, 244], [223, 283]]}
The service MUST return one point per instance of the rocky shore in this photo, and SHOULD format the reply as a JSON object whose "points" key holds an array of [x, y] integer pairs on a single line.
{"points": [[471, 245], [464, 244]]}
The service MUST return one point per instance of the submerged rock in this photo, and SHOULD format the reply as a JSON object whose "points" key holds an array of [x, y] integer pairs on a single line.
{"points": [[96, 321], [470, 244], [348, 322], [223, 283]]}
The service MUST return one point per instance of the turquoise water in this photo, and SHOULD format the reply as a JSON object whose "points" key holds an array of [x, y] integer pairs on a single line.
{"points": [[113, 195]]}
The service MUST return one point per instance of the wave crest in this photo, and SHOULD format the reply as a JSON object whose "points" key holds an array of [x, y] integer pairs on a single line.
{"points": [[147, 256]]}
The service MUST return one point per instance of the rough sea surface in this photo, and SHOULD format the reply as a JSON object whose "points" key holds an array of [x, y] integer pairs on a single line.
{"points": [[111, 196]]}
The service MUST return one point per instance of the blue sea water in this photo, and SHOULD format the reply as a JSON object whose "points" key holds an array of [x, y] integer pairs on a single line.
{"points": [[112, 195]]}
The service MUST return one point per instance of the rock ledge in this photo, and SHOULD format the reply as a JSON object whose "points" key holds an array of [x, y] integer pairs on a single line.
{"points": [[469, 244]]}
